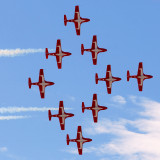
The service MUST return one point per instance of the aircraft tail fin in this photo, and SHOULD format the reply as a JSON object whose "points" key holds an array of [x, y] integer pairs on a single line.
{"points": [[83, 107], [128, 75], [29, 82], [46, 53], [67, 139], [96, 78], [65, 20], [49, 115], [82, 49]]}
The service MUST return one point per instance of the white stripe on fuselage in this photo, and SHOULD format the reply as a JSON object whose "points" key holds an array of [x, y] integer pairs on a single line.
{"points": [[79, 20], [43, 84], [81, 140]]}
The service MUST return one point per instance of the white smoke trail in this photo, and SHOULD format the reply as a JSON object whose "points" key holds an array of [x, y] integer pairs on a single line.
{"points": [[13, 117], [18, 51], [25, 109]]}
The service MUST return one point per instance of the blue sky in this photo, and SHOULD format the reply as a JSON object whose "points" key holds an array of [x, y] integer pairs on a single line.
{"points": [[130, 32]]}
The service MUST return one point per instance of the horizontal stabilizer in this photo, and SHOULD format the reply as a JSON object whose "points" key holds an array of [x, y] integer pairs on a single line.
{"points": [[67, 139], [128, 75], [82, 49], [96, 78], [29, 82], [83, 107], [65, 20], [49, 115], [46, 53]]}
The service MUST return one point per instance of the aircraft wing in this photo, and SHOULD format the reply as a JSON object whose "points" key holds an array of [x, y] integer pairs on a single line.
{"points": [[41, 79], [140, 83], [94, 57], [77, 27], [109, 86], [79, 132], [62, 122], [61, 108], [94, 42], [94, 101], [140, 69], [41, 76], [108, 72], [42, 91], [77, 13], [80, 147], [79, 136], [58, 46], [59, 61], [95, 115]]}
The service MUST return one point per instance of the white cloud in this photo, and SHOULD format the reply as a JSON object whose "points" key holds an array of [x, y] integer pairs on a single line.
{"points": [[3, 149], [26, 109], [119, 99], [18, 51], [72, 98], [143, 144], [13, 117]]}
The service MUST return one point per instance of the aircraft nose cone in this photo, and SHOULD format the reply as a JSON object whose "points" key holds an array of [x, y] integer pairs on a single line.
{"points": [[52, 83], [71, 115], [89, 140], [104, 50], [118, 79], [151, 76], [88, 20]]}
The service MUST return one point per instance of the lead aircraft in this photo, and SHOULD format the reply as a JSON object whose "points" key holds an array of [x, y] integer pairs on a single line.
{"points": [[62, 115], [140, 76], [95, 108], [80, 140], [77, 20], [41, 83], [59, 54], [95, 50], [109, 79]]}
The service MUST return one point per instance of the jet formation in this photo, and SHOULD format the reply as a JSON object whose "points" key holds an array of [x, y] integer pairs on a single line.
{"points": [[109, 79]]}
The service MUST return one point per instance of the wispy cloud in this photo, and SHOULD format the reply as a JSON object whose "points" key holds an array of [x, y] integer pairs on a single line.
{"points": [[18, 51], [3, 149], [119, 99], [138, 142], [13, 117]]}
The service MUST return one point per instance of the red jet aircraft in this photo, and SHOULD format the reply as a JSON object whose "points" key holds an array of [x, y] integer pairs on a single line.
{"points": [[79, 140], [140, 76], [109, 79], [77, 20], [59, 54], [94, 50], [62, 115], [42, 83], [95, 108]]}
